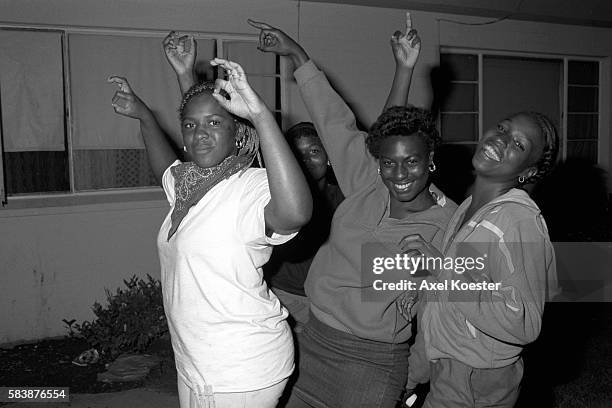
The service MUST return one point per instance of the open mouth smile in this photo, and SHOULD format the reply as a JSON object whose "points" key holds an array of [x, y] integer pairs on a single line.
{"points": [[402, 187], [492, 152]]}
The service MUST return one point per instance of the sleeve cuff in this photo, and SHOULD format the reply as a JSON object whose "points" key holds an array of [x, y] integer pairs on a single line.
{"points": [[306, 72]]}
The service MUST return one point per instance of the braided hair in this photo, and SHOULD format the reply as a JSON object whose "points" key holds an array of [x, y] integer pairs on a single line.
{"points": [[403, 121], [548, 158], [196, 90]]}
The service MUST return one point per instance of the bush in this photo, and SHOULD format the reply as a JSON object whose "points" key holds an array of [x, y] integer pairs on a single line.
{"points": [[133, 318]]}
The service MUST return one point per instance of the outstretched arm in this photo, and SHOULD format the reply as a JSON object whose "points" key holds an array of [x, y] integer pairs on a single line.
{"points": [[406, 48], [127, 103], [336, 125], [181, 53], [290, 203]]}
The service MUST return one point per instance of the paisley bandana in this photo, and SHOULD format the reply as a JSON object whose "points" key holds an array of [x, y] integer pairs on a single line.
{"points": [[192, 182]]}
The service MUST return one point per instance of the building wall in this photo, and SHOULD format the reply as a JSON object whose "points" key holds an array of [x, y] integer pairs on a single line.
{"points": [[58, 259]]}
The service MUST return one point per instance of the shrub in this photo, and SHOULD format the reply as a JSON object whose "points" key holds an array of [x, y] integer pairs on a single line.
{"points": [[133, 318]]}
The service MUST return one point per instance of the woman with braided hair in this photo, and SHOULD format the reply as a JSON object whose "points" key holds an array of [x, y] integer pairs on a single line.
{"points": [[232, 344], [472, 339], [354, 348]]}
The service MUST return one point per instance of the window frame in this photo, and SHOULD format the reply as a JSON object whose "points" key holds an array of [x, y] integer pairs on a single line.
{"points": [[564, 59], [74, 197]]}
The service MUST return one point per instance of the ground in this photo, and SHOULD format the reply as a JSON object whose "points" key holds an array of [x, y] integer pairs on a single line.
{"points": [[49, 363], [569, 366]]}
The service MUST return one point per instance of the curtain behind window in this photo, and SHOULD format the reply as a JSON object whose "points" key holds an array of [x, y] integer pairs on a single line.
{"points": [[31, 84], [108, 148]]}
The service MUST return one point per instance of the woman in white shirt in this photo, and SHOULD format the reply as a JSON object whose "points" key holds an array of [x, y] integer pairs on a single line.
{"points": [[231, 342]]}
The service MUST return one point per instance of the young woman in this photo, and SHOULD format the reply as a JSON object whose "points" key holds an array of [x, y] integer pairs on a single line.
{"points": [[353, 351], [288, 267], [474, 337], [230, 338]]}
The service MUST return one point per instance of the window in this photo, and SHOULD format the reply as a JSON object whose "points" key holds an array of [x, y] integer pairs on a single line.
{"points": [[486, 87], [59, 132]]}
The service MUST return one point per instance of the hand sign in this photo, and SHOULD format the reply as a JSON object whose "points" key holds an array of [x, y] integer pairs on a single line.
{"points": [[243, 100], [406, 47]]}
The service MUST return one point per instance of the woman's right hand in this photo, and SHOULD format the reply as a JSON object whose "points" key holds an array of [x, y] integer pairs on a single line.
{"points": [[125, 102], [272, 39], [180, 52], [406, 46]]}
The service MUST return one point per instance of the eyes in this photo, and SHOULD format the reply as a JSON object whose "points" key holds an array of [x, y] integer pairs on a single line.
{"points": [[501, 128], [411, 162], [213, 123]]}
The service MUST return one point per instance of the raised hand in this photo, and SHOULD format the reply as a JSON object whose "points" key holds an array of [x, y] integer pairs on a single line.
{"points": [[125, 102], [180, 52], [243, 100], [272, 39], [406, 46]]}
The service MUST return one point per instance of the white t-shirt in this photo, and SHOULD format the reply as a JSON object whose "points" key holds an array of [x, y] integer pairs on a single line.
{"points": [[228, 330]]}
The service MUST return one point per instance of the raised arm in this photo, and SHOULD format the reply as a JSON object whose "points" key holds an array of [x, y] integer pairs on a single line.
{"points": [[406, 48], [181, 53], [353, 166], [160, 151], [290, 203]]}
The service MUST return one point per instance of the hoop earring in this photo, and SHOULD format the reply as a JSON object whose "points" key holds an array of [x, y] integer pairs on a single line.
{"points": [[521, 179], [239, 143], [432, 167]]}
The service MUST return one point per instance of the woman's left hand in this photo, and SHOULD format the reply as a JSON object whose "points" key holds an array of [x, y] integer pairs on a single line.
{"points": [[244, 101], [415, 245]]}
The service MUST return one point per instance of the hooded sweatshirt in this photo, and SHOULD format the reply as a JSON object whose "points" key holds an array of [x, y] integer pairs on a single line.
{"points": [[488, 328], [338, 284]]}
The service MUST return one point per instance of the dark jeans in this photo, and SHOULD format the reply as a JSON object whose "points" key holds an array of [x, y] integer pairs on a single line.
{"points": [[337, 369], [456, 385]]}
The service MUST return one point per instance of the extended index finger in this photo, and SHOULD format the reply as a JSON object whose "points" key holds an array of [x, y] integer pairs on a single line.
{"points": [[259, 24]]}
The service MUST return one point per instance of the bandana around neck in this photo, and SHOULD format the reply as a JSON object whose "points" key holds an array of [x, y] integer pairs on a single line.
{"points": [[192, 182]]}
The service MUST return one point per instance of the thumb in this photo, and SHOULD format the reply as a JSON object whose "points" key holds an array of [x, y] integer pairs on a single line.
{"points": [[123, 84]]}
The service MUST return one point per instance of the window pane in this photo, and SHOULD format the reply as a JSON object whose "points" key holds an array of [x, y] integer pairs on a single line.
{"points": [[249, 57], [108, 148], [265, 88], [581, 99], [581, 126], [463, 67], [583, 72], [459, 127], [33, 120], [462, 98], [583, 150], [35, 172], [512, 85], [98, 169]]}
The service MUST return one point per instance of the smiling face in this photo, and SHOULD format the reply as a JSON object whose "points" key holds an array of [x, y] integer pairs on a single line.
{"points": [[208, 131], [313, 155], [509, 151], [404, 162]]}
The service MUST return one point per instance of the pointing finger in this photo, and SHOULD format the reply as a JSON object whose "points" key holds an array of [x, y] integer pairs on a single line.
{"points": [[260, 25]]}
